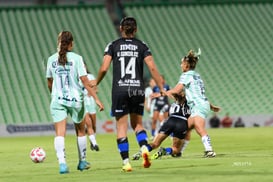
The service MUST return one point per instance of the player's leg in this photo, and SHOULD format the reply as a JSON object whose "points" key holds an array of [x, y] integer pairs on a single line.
{"points": [[185, 143], [157, 141], [199, 125], [122, 141], [141, 136], [92, 127], [176, 147], [165, 130], [77, 115], [90, 121], [92, 137], [154, 123], [160, 137], [59, 145], [120, 110], [59, 115], [81, 144]]}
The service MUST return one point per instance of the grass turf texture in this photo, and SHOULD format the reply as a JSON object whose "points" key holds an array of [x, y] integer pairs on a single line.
{"points": [[243, 154]]}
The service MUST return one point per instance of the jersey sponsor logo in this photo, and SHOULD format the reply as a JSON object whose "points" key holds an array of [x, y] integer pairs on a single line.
{"points": [[128, 82], [62, 71], [131, 47], [55, 64], [127, 50]]}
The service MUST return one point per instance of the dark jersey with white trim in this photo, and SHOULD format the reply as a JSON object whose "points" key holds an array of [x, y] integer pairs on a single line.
{"points": [[128, 60], [180, 111], [162, 100], [177, 121]]}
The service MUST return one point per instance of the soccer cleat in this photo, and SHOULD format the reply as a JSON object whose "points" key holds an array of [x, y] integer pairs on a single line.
{"points": [[94, 147], [177, 155], [159, 153], [127, 167], [83, 165], [146, 157], [136, 156], [209, 154], [63, 168]]}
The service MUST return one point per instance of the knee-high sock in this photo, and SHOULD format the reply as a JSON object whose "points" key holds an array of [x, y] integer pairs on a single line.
{"points": [[60, 148], [92, 139], [142, 138], [206, 143], [123, 147], [81, 141]]}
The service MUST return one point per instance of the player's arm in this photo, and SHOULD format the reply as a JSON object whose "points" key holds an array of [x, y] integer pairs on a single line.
{"points": [[176, 90], [149, 60], [91, 91], [94, 85], [104, 68], [49, 84]]}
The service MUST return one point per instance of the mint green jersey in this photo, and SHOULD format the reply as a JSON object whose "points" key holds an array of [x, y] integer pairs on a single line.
{"points": [[66, 89], [195, 92]]}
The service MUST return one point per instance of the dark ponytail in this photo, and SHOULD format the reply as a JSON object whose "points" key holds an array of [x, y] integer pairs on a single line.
{"points": [[65, 38]]}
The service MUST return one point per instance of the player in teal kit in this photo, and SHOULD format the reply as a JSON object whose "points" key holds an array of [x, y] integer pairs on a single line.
{"points": [[64, 69], [90, 117], [191, 82]]}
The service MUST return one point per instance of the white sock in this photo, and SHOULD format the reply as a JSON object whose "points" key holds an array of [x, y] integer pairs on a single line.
{"points": [[206, 143], [82, 147], [185, 144], [92, 139], [59, 148], [125, 161]]}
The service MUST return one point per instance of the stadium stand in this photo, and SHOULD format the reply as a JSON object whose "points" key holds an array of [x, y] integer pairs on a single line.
{"points": [[236, 41], [28, 37]]}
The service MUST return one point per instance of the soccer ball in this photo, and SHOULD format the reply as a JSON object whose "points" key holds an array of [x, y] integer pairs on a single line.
{"points": [[37, 155]]}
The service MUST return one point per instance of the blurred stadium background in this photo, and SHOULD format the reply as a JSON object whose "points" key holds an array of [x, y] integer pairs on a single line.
{"points": [[235, 38]]}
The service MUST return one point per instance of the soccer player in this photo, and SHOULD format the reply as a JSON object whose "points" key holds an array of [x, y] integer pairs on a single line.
{"points": [[64, 68], [129, 55], [149, 102], [90, 117], [199, 105], [176, 124], [161, 107]]}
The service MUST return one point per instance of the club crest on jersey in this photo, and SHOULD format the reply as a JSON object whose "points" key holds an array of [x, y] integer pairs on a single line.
{"points": [[54, 64]]}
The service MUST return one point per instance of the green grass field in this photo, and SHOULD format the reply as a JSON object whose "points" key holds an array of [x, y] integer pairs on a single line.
{"points": [[243, 154]]}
